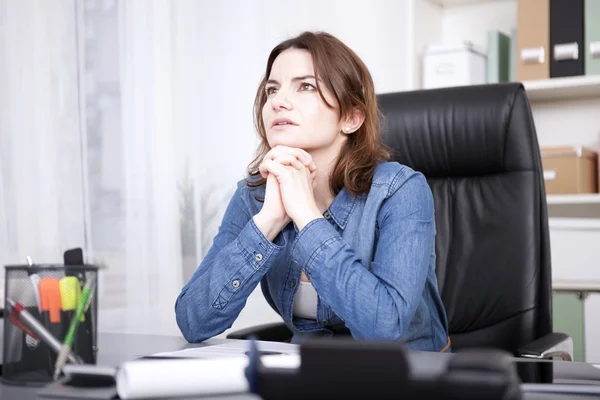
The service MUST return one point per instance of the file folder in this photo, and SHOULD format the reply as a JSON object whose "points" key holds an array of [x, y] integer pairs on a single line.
{"points": [[498, 57], [592, 37], [566, 38], [533, 41], [513, 56]]}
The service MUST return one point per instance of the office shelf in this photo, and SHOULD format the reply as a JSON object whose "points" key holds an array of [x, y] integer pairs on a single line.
{"points": [[575, 286], [450, 3], [572, 87], [573, 199], [579, 224]]}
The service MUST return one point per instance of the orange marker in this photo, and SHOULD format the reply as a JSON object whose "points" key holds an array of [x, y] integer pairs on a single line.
{"points": [[50, 298]]}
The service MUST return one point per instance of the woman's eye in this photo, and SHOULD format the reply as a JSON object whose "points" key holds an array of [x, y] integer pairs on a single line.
{"points": [[306, 86], [270, 90]]}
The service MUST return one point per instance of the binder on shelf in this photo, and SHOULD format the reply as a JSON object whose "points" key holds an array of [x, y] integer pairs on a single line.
{"points": [[592, 37], [498, 57], [533, 42], [566, 38], [512, 77]]}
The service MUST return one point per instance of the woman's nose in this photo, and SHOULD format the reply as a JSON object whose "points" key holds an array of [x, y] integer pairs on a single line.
{"points": [[280, 101]]}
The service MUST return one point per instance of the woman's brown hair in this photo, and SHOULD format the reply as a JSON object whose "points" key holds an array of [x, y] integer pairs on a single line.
{"points": [[349, 80]]}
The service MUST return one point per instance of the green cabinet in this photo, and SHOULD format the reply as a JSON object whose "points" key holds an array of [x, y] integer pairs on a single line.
{"points": [[568, 317], [592, 37]]}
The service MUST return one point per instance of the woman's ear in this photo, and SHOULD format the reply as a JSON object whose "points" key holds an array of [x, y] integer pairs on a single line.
{"points": [[352, 123]]}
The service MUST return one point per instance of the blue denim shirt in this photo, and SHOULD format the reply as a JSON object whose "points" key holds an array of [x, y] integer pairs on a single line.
{"points": [[371, 259]]}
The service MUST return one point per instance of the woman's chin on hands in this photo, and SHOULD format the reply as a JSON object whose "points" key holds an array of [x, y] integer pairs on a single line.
{"points": [[296, 189], [274, 215], [289, 156]]}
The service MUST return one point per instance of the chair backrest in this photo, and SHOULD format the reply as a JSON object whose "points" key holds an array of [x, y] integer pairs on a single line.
{"points": [[478, 148]]}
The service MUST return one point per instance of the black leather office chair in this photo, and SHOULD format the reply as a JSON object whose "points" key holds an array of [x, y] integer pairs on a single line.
{"points": [[478, 148]]}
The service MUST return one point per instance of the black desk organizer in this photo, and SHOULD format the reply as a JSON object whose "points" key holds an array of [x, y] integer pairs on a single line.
{"points": [[28, 360], [359, 370]]}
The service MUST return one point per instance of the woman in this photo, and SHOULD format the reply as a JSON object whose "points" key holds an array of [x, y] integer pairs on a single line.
{"points": [[341, 240]]}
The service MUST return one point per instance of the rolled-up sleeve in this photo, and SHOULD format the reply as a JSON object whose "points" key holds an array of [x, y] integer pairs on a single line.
{"points": [[236, 262]]}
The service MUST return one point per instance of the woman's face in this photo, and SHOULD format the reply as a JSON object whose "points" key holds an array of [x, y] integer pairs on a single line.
{"points": [[294, 114]]}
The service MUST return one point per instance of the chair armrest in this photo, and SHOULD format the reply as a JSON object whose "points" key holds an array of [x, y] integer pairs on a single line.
{"points": [[547, 347], [274, 332]]}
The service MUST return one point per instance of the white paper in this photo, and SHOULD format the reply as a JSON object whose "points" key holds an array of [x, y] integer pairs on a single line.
{"points": [[233, 349], [210, 370]]}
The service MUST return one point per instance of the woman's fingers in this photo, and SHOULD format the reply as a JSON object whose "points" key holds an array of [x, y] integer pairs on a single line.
{"points": [[287, 159], [290, 156], [300, 154], [275, 168], [284, 159], [263, 170]]}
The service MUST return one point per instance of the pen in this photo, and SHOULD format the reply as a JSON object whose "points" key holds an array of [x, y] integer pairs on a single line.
{"points": [[265, 353], [35, 280], [14, 318], [254, 365], [70, 293], [82, 306], [73, 259], [33, 325], [85, 342]]}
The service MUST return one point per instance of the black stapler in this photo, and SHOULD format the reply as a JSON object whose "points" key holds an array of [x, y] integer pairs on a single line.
{"points": [[345, 368]]}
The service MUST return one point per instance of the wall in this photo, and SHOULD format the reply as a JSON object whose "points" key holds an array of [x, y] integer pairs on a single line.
{"points": [[427, 28], [472, 21]]}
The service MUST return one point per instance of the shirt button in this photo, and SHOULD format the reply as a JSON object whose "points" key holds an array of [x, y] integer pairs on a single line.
{"points": [[324, 322], [235, 283], [258, 257], [327, 215], [291, 283]]}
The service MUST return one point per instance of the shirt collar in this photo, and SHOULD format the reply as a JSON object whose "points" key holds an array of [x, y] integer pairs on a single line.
{"points": [[341, 207]]}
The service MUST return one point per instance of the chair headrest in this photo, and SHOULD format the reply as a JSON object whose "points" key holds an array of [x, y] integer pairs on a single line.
{"points": [[461, 131]]}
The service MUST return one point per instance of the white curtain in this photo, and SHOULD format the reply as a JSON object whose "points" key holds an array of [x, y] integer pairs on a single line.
{"points": [[162, 164], [41, 195], [125, 124]]}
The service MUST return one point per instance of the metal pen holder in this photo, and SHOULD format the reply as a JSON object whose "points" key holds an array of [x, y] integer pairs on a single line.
{"points": [[40, 305]]}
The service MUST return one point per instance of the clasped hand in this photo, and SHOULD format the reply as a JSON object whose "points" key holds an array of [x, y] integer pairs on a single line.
{"points": [[290, 174]]}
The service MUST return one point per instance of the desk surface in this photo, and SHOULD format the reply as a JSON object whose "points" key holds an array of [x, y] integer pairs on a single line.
{"points": [[115, 349]]}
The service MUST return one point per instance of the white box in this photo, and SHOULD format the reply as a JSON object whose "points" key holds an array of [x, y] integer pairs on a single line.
{"points": [[454, 64]]}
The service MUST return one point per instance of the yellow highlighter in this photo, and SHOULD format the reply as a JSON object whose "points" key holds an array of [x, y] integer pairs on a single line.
{"points": [[70, 292]]}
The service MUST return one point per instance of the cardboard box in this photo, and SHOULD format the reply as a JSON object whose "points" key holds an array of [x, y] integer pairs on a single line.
{"points": [[453, 64], [570, 170]]}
